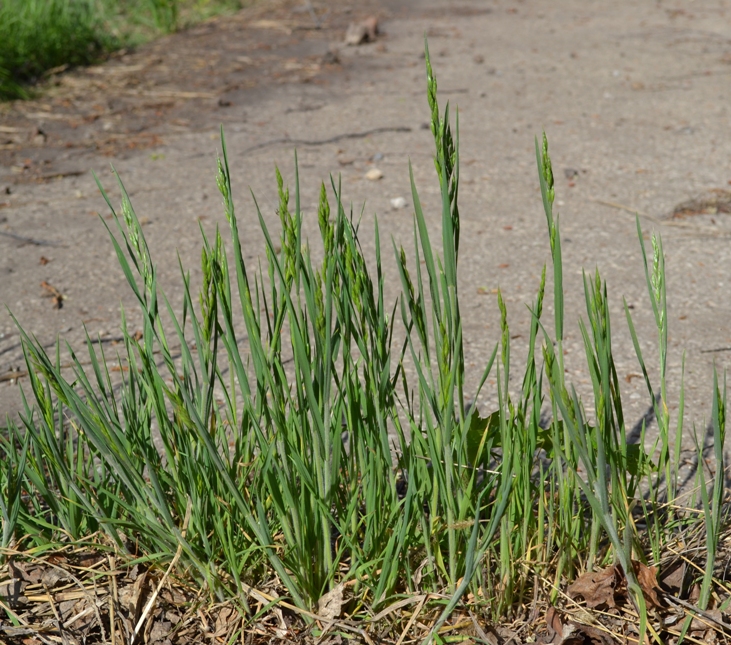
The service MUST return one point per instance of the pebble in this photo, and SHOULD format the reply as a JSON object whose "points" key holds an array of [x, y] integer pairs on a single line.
{"points": [[362, 32], [374, 174], [398, 202]]}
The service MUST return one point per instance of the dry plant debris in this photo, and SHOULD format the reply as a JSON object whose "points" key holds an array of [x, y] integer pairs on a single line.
{"points": [[714, 202], [82, 595], [607, 588], [568, 632], [56, 296], [600, 610], [89, 594]]}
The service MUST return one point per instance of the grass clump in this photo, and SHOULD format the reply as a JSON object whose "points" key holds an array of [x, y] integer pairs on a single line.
{"points": [[39, 35], [309, 463]]}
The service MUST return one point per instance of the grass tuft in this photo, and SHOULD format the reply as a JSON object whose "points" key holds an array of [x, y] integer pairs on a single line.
{"points": [[269, 437], [40, 35]]}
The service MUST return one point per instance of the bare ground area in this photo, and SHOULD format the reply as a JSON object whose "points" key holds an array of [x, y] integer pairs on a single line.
{"points": [[635, 100]]}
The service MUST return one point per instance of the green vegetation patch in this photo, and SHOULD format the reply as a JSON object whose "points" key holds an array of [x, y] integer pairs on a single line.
{"points": [[267, 446], [40, 35]]}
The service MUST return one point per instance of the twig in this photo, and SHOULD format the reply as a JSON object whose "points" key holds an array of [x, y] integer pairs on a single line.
{"points": [[265, 597], [113, 599], [627, 209], [9, 376], [59, 624], [60, 174], [28, 240], [322, 142], [397, 605], [171, 94], [313, 15], [153, 597], [412, 620], [703, 614], [57, 296], [717, 349], [478, 629], [692, 227]]}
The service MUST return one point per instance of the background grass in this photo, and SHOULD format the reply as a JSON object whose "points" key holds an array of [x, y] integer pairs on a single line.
{"points": [[40, 35], [310, 462]]}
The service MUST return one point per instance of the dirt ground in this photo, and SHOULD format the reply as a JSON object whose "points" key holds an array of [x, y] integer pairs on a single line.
{"points": [[635, 99]]}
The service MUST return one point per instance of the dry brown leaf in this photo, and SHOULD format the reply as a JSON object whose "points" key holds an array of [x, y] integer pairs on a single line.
{"points": [[52, 576], [28, 572], [223, 621], [647, 579], [133, 596], [571, 632], [673, 580], [695, 594], [598, 588], [160, 631], [12, 592], [554, 627], [330, 605]]}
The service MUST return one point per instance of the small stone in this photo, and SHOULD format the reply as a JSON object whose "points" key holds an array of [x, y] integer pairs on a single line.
{"points": [[363, 32], [331, 57], [39, 137], [398, 202], [374, 174]]}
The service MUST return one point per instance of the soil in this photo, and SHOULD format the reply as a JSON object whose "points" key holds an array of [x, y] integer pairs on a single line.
{"points": [[635, 99]]}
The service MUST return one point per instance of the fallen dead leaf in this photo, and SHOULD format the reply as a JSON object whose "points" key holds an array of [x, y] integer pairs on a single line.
{"points": [[598, 588], [647, 579], [673, 579], [330, 605], [553, 625]]}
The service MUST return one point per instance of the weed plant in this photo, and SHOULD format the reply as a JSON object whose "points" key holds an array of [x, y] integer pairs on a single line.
{"points": [[40, 35], [310, 462]]}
